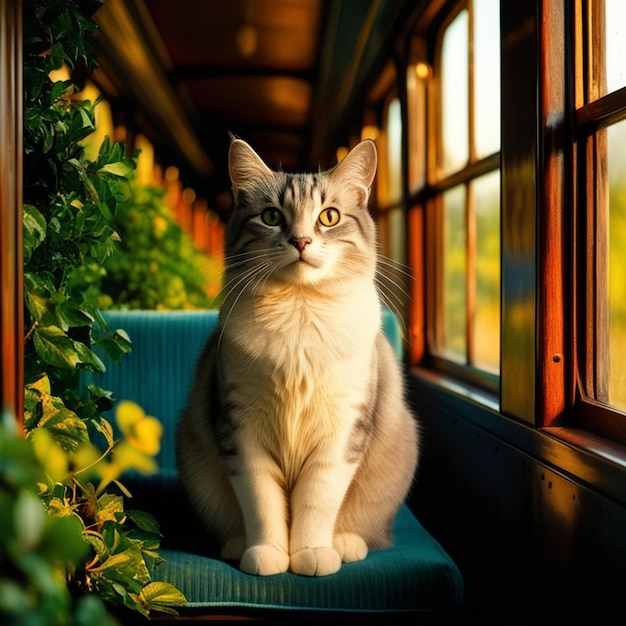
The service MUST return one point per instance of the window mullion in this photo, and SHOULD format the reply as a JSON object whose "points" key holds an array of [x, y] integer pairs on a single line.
{"points": [[471, 96], [600, 328], [470, 229]]}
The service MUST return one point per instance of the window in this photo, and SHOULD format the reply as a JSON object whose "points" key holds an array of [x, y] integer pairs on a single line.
{"points": [[459, 190], [600, 126], [386, 110]]}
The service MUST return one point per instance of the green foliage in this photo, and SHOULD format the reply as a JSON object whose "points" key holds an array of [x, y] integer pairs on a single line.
{"points": [[37, 549], [69, 202], [156, 265], [87, 539]]}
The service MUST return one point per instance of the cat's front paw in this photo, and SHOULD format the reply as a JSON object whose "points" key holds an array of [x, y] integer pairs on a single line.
{"points": [[351, 547], [315, 561], [264, 560]]}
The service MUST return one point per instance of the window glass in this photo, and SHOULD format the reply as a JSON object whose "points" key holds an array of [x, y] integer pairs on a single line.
{"points": [[486, 198], [454, 275], [616, 140], [615, 26], [455, 94], [486, 78], [468, 279], [394, 151]]}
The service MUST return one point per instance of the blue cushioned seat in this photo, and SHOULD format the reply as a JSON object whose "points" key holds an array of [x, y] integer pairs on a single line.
{"points": [[414, 575]]}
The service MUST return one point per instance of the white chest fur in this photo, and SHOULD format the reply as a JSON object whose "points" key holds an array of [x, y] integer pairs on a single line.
{"points": [[306, 363]]}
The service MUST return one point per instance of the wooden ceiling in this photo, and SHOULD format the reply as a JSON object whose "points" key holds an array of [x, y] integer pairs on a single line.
{"points": [[281, 74]]}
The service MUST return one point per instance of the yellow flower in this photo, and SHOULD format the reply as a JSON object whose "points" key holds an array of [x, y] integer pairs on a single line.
{"points": [[50, 454], [142, 432], [127, 457]]}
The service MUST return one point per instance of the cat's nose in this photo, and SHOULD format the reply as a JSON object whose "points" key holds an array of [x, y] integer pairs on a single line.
{"points": [[300, 243]]}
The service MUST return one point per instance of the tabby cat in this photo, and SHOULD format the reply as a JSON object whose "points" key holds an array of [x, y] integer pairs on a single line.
{"points": [[297, 448]]}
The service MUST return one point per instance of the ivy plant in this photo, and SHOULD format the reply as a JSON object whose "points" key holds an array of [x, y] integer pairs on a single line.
{"points": [[70, 203]]}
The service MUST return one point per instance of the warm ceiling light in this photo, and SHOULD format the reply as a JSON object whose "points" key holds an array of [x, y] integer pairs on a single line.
{"points": [[422, 70], [342, 153], [247, 40], [369, 131], [171, 174], [189, 195]]}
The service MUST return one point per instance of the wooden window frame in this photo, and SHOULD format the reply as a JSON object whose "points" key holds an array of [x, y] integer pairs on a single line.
{"points": [[595, 111], [425, 218], [11, 290]]}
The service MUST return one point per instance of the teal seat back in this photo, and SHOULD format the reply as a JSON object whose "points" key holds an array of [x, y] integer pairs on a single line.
{"points": [[158, 372]]}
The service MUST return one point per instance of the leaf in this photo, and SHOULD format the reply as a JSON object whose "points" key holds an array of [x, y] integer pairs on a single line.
{"points": [[66, 428], [38, 298], [41, 385], [61, 89], [55, 347], [161, 595], [87, 120], [71, 314], [109, 505], [122, 488], [145, 521], [120, 169], [116, 344], [64, 540], [82, 173], [30, 518], [34, 229], [96, 542], [127, 568], [88, 359], [104, 427]]}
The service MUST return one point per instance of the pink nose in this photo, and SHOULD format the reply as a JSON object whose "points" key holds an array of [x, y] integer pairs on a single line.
{"points": [[300, 243]]}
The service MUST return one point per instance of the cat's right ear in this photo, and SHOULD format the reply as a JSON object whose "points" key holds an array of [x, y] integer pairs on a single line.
{"points": [[245, 166]]}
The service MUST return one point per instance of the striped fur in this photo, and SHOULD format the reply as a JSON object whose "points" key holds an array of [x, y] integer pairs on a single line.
{"points": [[297, 447]]}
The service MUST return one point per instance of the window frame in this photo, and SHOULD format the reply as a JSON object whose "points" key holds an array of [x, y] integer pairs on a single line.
{"points": [[11, 249], [425, 208], [594, 112]]}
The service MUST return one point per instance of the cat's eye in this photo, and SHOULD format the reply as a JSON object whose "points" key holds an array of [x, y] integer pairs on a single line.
{"points": [[329, 217], [272, 217]]}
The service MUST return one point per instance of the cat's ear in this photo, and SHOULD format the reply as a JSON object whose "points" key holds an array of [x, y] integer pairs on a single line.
{"points": [[245, 166], [359, 164]]}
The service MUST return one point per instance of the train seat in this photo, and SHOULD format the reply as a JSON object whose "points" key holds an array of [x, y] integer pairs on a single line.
{"points": [[414, 576]]}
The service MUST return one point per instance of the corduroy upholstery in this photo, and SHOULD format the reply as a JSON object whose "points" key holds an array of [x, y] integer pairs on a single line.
{"points": [[415, 575]]}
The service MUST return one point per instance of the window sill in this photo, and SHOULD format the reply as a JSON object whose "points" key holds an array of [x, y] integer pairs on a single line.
{"points": [[584, 457]]}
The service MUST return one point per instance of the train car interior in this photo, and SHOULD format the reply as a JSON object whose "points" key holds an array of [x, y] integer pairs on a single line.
{"points": [[500, 206]]}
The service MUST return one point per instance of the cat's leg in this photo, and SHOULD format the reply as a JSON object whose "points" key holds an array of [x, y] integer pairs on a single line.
{"points": [[315, 503], [386, 472], [264, 507], [350, 546]]}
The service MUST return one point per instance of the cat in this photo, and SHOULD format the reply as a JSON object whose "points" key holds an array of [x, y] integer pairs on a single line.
{"points": [[297, 446]]}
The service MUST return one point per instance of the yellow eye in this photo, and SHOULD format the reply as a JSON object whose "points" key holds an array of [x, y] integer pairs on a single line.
{"points": [[272, 217], [329, 217]]}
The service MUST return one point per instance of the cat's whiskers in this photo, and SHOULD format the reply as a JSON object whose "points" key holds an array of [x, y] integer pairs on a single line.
{"points": [[395, 265], [258, 255], [262, 281], [392, 289], [247, 277], [242, 258]]}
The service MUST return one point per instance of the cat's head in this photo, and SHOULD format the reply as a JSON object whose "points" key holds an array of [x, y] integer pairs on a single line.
{"points": [[301, 229]]}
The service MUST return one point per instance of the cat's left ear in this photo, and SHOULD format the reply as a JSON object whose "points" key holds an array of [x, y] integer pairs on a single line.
{"points": [[359, 164], [245, 166]]}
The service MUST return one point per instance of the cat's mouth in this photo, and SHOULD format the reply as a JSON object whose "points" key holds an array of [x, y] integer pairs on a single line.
{"points": [[301, 257], [302, 261]]}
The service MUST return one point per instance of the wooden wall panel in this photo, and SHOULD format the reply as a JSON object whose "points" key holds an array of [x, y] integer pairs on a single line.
{"points": [[519, 209], [11, 311]]}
